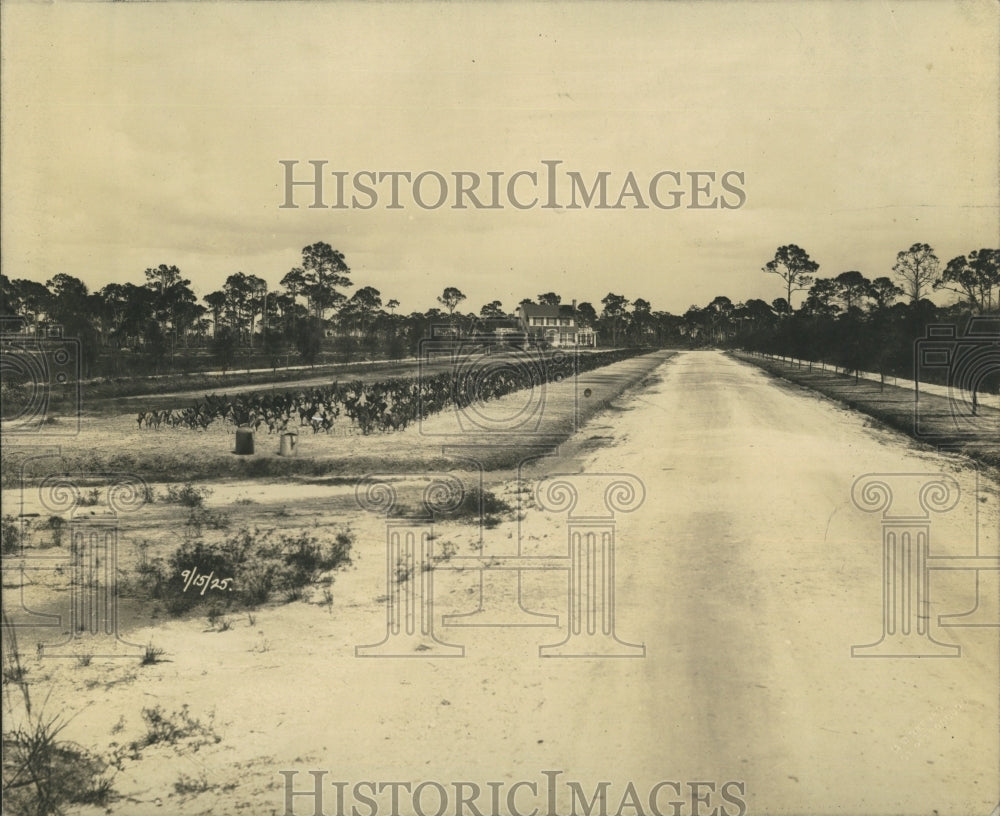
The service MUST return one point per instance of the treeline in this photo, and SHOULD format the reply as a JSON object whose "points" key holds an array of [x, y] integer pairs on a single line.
{"points": [[159, 325], [860, 323]]}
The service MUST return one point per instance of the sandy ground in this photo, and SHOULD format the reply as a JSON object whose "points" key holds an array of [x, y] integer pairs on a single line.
{"points": [[747, 574]]}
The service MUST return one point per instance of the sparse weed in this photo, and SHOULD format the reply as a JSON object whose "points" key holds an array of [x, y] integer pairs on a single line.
{"points": [[188, 785], [403, 572], [151, 655], [90, 499], [15, 672], [447, 551], [42, 773]]}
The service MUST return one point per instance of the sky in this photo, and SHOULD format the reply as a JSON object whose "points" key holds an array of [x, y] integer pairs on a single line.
{"points": [[135, 134]]}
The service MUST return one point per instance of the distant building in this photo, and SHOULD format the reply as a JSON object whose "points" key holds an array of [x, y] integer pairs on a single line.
{"points": [[545, 324], [483, 330]]}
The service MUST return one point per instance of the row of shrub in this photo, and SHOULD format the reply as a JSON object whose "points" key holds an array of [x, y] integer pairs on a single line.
{"points": [[391, 404]]}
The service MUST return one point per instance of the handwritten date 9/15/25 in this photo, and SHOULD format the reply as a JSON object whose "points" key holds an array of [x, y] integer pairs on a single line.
{"points": [[204, 582]]}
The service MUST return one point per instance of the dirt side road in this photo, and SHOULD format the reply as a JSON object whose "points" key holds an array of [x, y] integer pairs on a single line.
{"points": [[748, 575]]}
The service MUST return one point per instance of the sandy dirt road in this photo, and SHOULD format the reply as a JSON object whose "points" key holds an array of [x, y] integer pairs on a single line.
{"points": [[765, 574], [748, 574]]}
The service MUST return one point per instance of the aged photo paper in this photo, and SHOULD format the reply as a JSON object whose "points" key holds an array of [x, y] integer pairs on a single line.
{"points": [[501, 409]]}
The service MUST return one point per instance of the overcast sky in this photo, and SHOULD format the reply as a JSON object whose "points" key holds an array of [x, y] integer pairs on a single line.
{"points": [[140, 134]]}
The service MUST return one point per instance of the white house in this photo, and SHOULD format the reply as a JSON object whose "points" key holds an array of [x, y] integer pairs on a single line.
{"points": [[546, 324]]}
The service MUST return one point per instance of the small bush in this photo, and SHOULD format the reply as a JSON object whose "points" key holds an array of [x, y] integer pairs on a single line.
{"points": [[187, 495], [90, 499], [169, 729], [254, 564], [482, 504], [57, 525], [148, 580], [190, 785], [10, 535], [201, 518]]}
